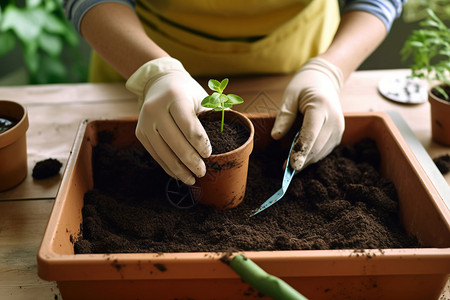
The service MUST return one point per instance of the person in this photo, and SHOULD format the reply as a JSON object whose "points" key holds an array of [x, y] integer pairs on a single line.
{"points": [[158, 46]]}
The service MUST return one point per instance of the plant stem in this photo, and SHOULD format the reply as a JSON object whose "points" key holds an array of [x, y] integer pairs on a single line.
{"points": [[223, 118]]}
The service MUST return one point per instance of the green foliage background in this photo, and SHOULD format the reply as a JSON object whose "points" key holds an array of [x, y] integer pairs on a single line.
{"points": [[43, 34], [429, 47], [416, 10]]}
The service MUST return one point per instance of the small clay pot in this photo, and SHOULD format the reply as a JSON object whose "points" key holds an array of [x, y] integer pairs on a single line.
{"points": [[225, 181], [13, 147], [440, 118]]}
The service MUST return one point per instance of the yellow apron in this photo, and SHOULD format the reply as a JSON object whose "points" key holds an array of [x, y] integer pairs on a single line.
{"points": [[234, 37]]}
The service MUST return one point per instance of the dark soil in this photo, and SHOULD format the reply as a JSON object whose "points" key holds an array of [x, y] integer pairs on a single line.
{"points": [[46, 168], [446, 88], [443, 163], [232, 136], [339, 203], [6, 123]]}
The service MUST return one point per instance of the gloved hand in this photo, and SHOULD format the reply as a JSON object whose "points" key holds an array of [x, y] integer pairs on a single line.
{"points": [[314, 91], [168, 126]]}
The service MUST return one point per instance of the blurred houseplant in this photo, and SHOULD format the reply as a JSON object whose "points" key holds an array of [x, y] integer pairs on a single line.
{"points": [[45, 37], [416, 10], [429, 47]]}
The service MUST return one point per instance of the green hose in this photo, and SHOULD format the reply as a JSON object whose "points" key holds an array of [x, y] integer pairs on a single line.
{"points": [[265, 283]]}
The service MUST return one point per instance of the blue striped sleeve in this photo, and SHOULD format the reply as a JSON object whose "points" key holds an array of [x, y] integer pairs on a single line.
{"points": [[386, 10], [75, 9]]}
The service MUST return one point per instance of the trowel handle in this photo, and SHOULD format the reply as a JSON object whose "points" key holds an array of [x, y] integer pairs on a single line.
{"points": [[265, 283]]}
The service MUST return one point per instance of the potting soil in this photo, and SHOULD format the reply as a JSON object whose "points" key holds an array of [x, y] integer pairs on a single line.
{"points": [[46, 168], [229, 138], [341, 202], [443, 163]]}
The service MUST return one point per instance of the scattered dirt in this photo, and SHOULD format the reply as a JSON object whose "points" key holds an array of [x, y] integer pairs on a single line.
{"points": [[443, 163], [341, 202], [46, 168]]}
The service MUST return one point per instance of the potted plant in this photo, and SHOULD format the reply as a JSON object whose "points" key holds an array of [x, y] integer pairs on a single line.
{"points": [[225, 181], [429, 47], [13, 148]]}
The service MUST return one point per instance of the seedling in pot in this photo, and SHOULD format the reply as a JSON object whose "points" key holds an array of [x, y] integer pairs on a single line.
{"points": [[186, 197], [218, 100], [429, 47]]}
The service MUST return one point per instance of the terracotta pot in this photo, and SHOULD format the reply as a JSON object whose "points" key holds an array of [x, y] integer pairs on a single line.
{"points": [[440, 119], [318, 274], [13, 147], [225, 181]]}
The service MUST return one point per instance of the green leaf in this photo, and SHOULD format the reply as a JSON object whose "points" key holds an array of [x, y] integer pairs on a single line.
{"points": [[33, 3], [215, 98], [55, 25], [429, 47], [223, 84], [214, 85], [71, 36], [442, 91], [39, 16], [416, 44], [223, 98], [211, 101], [52, 5], [31, 56], [207, 104], [16, 19], [51, 44], [445, 52], [234, 99], [7, 42], [430, 23]]}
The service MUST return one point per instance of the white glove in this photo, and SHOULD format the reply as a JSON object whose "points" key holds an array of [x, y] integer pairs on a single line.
{"points": [[168, 126], [314, 91]]}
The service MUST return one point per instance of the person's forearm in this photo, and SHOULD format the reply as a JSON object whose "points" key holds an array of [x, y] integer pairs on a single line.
{"points": [[358, 35], [115, 32]]}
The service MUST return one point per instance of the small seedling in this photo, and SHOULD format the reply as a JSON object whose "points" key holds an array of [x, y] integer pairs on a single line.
{"points": [[218, 100]]}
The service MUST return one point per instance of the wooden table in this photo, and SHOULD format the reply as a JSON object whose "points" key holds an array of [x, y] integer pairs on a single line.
{"points": [[55, 112]]}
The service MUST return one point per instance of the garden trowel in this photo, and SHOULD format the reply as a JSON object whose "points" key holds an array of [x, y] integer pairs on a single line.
{"points": [[289, 172]]}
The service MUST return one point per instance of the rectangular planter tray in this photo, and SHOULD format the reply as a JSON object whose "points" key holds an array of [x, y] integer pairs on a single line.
{"points": [[317, 274]]}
